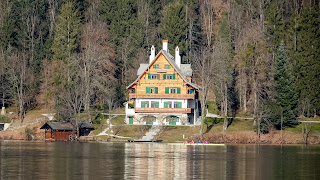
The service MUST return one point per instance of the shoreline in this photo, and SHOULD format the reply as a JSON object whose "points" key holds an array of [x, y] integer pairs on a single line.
{"points": [[169, 143]]}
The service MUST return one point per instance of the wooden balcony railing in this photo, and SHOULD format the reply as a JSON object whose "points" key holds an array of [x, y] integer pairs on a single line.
{"points": [[161, 96], [163, 110]]}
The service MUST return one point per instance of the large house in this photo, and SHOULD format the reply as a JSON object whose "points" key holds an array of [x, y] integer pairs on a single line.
{"points": [[163, 93]]}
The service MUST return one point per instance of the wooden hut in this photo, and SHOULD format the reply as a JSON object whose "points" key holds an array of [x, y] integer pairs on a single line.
{"points": [[66, 131], [59, 131], [84, 128]]}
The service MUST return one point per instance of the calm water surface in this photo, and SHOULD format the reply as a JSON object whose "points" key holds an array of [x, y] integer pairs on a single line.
{"points": [[40, 160]]}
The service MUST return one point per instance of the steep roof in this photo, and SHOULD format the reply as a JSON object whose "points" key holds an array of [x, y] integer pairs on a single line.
{"points": [[67, 126], [85, 125], [59, 126], [187, 71]]}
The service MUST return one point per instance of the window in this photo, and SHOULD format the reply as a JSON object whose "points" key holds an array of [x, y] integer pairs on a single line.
{"points": [[167, 66], [156, 66], [151, 90], [169, 76], [172, 90], [153, 76], [145, 104], [172, 119], [190, 91], [154, 104], [177, 104], [167, 104]]}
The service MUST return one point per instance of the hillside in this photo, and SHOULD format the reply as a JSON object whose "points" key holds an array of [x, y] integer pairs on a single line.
{"points": [[258, 58]]}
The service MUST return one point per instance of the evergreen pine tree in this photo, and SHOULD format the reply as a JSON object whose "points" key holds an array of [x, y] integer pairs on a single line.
{"points": [[174, 27], [67, 30], [285, 95], [308, 57], [275, 25]]}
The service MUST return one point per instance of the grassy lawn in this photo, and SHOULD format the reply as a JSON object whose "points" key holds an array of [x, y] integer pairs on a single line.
{"points": [[175, 133], [241, 125], [132, 131], [118, 120]]}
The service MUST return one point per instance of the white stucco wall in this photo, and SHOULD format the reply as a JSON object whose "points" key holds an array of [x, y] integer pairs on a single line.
{"points": [[184, 103]]}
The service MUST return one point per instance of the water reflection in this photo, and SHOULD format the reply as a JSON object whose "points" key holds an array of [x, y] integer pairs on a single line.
{"points": [[38, 160]]}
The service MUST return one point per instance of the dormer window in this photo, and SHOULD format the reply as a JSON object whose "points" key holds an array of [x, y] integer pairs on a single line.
{"points": [[156, 66]]}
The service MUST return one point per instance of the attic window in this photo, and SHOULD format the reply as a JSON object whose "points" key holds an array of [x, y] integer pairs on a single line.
{"points": [[153, 76], [167, 66], [156, 66]]}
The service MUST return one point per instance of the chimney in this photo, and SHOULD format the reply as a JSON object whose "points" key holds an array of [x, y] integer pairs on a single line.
{"points": [[165, 45], [177, 57], [153, 54]]}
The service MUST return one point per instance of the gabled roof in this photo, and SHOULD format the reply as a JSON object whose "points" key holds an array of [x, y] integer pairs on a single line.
{"points": [[85, 125], [67, 126], [183, 73], [142, 68], [59, 126]]}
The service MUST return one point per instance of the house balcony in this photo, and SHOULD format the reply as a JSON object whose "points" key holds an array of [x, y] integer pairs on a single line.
{"points": [[163, 110], [162, 96]]}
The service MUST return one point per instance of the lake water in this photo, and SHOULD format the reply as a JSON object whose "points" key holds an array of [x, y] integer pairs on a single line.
{"points": [[62, 160]]}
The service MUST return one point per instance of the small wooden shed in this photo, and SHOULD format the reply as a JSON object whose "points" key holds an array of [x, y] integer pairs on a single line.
{"points": [[59, 131], [66, 131], [84, 128]]}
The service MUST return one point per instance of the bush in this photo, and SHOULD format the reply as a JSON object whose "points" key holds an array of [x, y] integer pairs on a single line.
{"points": [[29, 134], [4, 119], [211, 120], [97, 121]]}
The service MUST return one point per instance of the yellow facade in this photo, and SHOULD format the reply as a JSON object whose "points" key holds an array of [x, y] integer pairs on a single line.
{"points": [[161, 61]]}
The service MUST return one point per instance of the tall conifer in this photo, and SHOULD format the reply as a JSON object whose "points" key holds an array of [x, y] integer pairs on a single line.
{"points": [[67, 30], [174, 27], [284, 87], [275, 25], [308, 57]]}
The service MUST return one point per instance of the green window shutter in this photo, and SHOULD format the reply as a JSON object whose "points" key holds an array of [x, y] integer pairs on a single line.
{"points": [[154, 66], [149, 76], [179, 104], [164, 76], [165, 105], [156, 89], [148, 90], [167, 90], [143, 104], [173, 76], [156, 104], [169, 66], [178, 90]]}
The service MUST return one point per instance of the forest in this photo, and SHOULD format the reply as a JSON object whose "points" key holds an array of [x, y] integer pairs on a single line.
{"points": [[259, 58]]}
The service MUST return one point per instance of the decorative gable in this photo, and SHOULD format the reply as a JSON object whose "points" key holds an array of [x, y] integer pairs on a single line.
{"points": [[165, 67]]}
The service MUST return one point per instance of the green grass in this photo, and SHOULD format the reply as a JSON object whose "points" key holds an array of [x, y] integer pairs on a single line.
{"points": [[4, 119], [175, 133], [118, 120], [212, 107], [241, 125], [132, 131]]}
